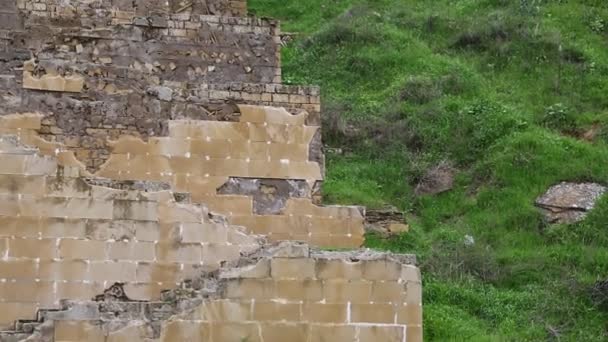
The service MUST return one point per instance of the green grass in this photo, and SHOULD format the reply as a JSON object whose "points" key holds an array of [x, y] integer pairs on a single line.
{"points": [[504, 90]]}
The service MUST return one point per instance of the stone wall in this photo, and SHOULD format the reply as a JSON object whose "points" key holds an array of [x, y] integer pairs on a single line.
{"points": [[219, 163], [151, 165], [65, 236], [285, 292], [82, 8]]}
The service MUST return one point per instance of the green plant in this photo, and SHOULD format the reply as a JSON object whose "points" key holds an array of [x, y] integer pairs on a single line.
{"points": [[559, 117]]}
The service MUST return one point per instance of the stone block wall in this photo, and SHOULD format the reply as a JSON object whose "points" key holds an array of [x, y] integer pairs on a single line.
{"points": [[152, 165], [286, 292], [81, 8], [63, 236]]}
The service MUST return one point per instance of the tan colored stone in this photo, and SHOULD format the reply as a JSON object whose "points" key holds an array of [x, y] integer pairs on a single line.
{"points": [[250, 289], [381, 270], [398, 228], [235, 332], [180, 253], [292, 268], [78, 331], [82, 249], [333, 333], [11, 311], [49, 82], [223, 311], [22, 121], [280, 332], [131, 333], [410, 273], [413, 334], [28, 292], [260, 269], [135, 210], [381, 333], [71, 270], [388, 292], [342, 291], [409, 314], [178, 330], [276, 311], [137, 251], [340, 269], [325, 313], [373, 313], [204, 232], [59, 227], [309, 290], [213, 254], [413, 293], [29, 185], [157, 272], [18, 269], [78, 290], [32, 248], [146, 291], [121, 271]]}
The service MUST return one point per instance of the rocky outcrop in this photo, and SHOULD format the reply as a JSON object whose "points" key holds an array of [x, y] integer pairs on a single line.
{"points": [[569, 202]]}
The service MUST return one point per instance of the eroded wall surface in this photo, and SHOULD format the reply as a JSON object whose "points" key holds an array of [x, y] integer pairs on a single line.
{"points": [[66, 236], [225, 165], [285, 293], [151, 162]]}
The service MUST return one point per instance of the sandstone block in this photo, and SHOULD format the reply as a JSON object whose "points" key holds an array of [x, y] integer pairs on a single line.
{"points": [[273, 332], [325, 313], [251, 289], [276, 311], [308, 290], [381, 333], [71, 249], [342, 291], [179, 330], [373, 313], [338, 269], [292, 268], [224, 311], [59, 270], [235, 332]]}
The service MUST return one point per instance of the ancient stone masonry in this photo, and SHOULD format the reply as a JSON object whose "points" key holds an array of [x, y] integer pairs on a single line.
{"points": [[152, 170]]}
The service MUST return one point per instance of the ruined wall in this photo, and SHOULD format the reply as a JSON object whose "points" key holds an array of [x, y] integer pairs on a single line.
{"points": [[285, 292], [83, 8], [63, 236], [256, 171], [149, 161]]}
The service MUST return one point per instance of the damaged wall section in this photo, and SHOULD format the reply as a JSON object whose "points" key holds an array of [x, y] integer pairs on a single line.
{"points": [[267, 146], [61, 237], [285, 292]]}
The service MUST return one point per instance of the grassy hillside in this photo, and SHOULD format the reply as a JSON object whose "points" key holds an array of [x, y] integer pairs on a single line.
{"points": [[514, 94]]}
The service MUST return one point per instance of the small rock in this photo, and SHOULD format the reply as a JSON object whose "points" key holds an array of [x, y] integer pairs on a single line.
{"points": [[398, 228], [569, 202], [438, 179], [469, 240], [163, 93]]}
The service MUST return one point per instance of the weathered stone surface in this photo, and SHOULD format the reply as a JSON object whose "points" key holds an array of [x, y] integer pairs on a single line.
{"points": [[438, 179], [319, 295], [569, 202], [269, 195]]}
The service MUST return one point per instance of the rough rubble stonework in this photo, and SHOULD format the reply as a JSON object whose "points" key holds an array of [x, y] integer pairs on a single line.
{"points": [[152, 171]]}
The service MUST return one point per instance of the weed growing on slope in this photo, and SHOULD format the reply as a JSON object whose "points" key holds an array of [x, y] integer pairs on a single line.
{"points": [[513, 93]]}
